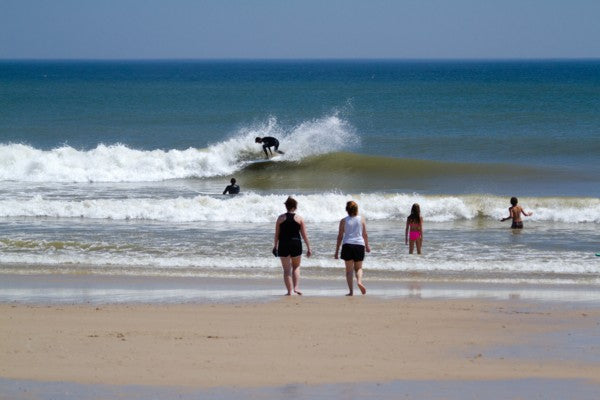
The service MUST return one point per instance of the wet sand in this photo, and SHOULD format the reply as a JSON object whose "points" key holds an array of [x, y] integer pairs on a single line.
{"points": [[547, 389], [299, 340], [103, 289]]}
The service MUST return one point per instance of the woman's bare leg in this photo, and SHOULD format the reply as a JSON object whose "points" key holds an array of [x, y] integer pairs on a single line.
{"points": [[350, 276], [359, 273], [286, 263], [296, 274], [411, 246], [419, 244]]}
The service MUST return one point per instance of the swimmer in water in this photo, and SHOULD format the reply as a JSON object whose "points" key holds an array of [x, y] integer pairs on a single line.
{"points": [[414, 229], [514, 213], [233, 188]]}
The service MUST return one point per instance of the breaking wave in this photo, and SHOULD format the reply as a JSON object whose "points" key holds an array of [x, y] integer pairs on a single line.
{"points": [[119, 163], [327, 207]]}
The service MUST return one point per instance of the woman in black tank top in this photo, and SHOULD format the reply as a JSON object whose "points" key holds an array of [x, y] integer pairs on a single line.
{"points": [[289, 229], [288, 246]]}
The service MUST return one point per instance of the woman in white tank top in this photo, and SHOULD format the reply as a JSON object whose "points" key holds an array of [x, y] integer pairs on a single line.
{"points": [[353, 237], [353, 230]]}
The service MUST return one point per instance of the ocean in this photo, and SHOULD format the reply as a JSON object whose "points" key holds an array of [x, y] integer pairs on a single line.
{"points": [[116, 168]]}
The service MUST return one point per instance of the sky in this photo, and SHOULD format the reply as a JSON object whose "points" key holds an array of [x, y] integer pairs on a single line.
{"points": [[299, 29]]}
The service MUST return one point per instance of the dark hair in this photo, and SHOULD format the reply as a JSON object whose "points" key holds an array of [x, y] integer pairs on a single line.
{"points": [[258, 140], [415, 213], [290, 203], [514, 201], [233, 180], [352, 208]]}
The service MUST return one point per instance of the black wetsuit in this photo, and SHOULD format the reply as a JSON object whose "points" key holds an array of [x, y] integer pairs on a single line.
{"points": [[269, 142], [289, 237], [232, 189]]}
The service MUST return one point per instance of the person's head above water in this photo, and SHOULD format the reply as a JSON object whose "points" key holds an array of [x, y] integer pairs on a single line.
{"points": [[352, 208], [415, 212], [233, 181], [514, 201], [258, 140], [291, 204]]}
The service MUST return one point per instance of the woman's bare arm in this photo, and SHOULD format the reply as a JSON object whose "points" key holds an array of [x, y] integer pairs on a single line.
{"points": [[276, 239], [305, 237], [339, 238], [365, 236]]}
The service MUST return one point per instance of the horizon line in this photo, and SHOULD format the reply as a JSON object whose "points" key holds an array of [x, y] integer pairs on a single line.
{"points": [[259, 59]]}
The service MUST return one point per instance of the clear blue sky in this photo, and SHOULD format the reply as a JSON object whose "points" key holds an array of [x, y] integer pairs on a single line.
{"points": [[142, 29]]}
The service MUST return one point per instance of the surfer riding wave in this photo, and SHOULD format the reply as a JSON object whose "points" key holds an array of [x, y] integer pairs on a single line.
{"points": [[268, 142]]}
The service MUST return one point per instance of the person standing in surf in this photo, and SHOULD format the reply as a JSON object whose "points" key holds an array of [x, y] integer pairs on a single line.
{"points": [[267, 143], [234, 188], [352, 235], [414, 229], [514, 213], [288, 246]]}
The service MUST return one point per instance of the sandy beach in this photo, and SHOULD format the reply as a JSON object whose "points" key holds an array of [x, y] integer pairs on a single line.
{"points": [[299, 340]]}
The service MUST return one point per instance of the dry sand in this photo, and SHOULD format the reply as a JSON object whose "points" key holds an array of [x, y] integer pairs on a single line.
{"points": [[290, 340]]}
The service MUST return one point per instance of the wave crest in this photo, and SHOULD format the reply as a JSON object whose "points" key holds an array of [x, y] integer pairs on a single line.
{"points": [[119, 163], [328, 207]]}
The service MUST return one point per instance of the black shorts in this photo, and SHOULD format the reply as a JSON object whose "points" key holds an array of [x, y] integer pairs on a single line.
{"points": [[517, 225], [354, 252], [290, 248]]}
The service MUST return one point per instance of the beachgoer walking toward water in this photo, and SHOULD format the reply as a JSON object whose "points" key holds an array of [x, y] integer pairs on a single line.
{"points": [[352, 235], [288, 246], [514, 213], [233, 188], [414, 229], [269, 142]]}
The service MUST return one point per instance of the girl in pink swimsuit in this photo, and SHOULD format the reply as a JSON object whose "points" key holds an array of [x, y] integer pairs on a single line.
{"points": [[414, 229]]}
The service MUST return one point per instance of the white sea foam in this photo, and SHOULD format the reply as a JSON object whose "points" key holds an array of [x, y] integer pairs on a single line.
{"points": [[327, 207], [119, 163], [196, 265]]}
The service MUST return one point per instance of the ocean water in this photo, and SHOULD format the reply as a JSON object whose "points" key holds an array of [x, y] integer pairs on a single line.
{"points": [[116, 168]]}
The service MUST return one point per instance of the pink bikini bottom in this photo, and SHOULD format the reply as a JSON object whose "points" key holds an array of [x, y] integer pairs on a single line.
{"points": [[414, 235]]}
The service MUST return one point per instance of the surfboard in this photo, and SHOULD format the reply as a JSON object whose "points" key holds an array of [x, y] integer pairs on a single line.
{"points": [[597, 254], [264, 160]]}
